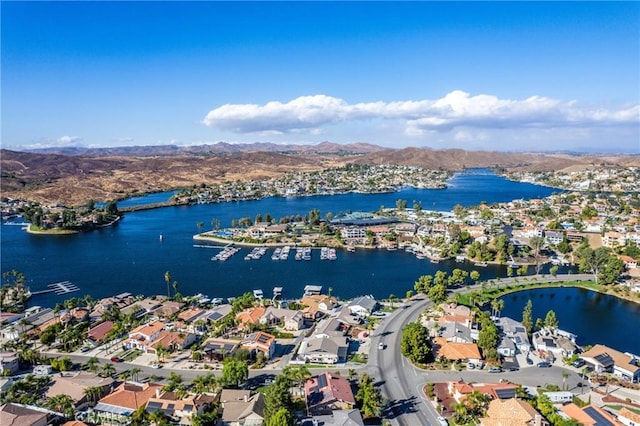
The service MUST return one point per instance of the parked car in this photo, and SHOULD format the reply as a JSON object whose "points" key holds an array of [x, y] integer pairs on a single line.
{"points": [[442, 421], [495, 369], [529, 361], [544, 364], [471, 366], [579, 363], [156, 365], [381, 345], [116, 359]]}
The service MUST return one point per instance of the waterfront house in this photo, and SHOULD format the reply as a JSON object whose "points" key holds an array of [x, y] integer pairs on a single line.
{"points": [[330, 327], [118, 406], [454, 313], [75, 384], [604, 359], [327, 392], [168, 308], [553, 237], [260, 342], [557, 343], [286, 318], [20, 415], [514, 331], [216, 314], [324, 349], [512, 412], [249, 317], [363, 306], [240, 408], [317, 305], [141, 337]]}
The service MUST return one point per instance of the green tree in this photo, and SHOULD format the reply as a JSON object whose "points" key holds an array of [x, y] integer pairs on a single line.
{"points": [[369, 397], [61, 403], [475, 276], [527, 316], [282, 417], [277, 397], [234, 372], [550, 320], [488, 338], [423, 284], [111, 208], [438, 293], [415, 343], [167, 279]]}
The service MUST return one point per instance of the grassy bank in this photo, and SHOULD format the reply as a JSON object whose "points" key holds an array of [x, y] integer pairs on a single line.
{"points": [[482, 296]]}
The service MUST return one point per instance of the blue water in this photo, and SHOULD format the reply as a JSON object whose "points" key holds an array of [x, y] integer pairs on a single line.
{"points": [[594, 317], [130, 257]]}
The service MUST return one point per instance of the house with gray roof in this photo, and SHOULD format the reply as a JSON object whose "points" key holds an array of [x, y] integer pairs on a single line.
{"points": [[324, 350], [363, 306], [516, 332]]}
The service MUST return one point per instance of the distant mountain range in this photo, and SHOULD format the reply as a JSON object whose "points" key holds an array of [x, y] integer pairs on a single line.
{"points": [[74, 175], [217, 148]]}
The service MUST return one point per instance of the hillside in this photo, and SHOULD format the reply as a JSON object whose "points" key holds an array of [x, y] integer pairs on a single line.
{"points": [[102, 175]]}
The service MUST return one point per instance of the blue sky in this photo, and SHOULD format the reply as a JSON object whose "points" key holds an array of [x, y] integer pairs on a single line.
{"points": [[492, 76]]}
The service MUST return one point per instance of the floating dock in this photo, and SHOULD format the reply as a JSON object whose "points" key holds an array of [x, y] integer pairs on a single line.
{"points": [[63, 287]]}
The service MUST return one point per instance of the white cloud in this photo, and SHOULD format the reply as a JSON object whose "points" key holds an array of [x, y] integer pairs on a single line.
{"points": [[62, 141], [457, 109]]}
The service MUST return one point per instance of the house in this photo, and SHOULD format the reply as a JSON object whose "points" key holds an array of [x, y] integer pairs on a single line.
{"points": [[363, 306], [460, 390], [553, 237], [143, 336], [181, 410], [218, 313], [327, 392], [628, 417], [239, 407], [120, 404], [75, 385], [287, 318], [512, 412], [613, 239], [603, 359], [324, 349], [457, 351], [558, 343], [629, 262], [250, 316], [168, 308], [9, 363], [456, 313], [19, 415], [317, 305], [455, 332], [97, 334], [172, 340], [260, 342], [516, 332], [218, 349], [336, 418], [589, 415]]}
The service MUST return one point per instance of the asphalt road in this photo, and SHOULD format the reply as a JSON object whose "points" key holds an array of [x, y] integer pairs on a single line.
{"points": [[402, 383]]}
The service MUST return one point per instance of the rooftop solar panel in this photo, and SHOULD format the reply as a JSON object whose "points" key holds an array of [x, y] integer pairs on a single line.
{"points": [[322, 381], [600, 420]]}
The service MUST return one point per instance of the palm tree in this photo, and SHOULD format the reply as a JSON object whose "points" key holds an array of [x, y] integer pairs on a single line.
{"points": [[175, 287], [93, 393], [108, 370], [92, 364], [565, 375], [167, 278], [61, 403], [134, 373], [158, 418]]}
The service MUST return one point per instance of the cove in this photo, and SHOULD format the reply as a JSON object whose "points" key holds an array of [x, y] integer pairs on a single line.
{"points": [[594, 317]]}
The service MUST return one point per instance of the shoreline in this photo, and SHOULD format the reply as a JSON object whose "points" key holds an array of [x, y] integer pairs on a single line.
{"points": [[587, 284]]}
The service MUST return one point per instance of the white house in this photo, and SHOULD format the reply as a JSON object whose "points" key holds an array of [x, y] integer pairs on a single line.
{"points": [[363, 306]]}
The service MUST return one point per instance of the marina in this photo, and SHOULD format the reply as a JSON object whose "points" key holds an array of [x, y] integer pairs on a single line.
{"points": [[60, 288], [226, 253]]}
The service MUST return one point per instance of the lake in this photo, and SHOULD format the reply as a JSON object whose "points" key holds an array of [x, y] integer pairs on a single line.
{"points": [[594, 317]]}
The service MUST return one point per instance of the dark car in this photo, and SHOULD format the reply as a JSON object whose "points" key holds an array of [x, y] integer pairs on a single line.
{"points": [[116, 359], [529, 361], [544, 364], [579, 363]]}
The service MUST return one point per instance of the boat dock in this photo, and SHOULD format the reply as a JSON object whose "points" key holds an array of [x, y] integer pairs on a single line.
{"points": [[258, 294], [63, 287], [277, 292], [310, 290]]}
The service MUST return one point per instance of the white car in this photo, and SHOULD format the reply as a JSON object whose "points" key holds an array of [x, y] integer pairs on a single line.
{"points": [[156, 365], [380, 345], [442, 421]]}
